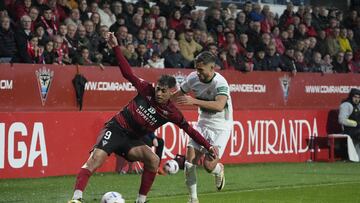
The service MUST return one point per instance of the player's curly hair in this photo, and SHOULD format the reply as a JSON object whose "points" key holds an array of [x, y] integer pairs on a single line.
{"points": [[205, 57], [167, 80]]}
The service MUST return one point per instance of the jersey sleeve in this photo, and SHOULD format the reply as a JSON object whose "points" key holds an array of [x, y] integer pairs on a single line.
{"points": [[180, 121], [127, 73], [185, 85], [222, 88]]}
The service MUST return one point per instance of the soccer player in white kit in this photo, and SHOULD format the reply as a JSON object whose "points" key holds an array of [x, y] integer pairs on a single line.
{"points": [[215, 122]]}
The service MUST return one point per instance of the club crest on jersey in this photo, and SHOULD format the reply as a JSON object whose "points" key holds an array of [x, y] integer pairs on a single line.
{"points": [[44, 78], [285, 86], [179, 77]]}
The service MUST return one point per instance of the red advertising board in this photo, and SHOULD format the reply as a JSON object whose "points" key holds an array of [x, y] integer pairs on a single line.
{"points": [[40, 144], [39, 87]]}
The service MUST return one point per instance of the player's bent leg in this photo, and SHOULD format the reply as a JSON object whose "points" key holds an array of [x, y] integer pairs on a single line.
{"points": [[214, 167], [96, 159], [151, 161]]}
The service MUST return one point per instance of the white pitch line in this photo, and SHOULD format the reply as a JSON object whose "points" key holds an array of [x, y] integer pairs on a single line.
{"points": [[266, 189]]}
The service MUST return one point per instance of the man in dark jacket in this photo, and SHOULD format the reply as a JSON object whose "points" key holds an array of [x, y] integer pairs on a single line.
{"points": [[173, 57], [7, 41], [22, 37]]}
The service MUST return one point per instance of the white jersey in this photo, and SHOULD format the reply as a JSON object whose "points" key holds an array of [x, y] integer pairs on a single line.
{"points": [[208, 91]]}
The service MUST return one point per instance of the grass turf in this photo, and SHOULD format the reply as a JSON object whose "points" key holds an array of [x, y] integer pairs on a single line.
{"points": [[271, 182]]}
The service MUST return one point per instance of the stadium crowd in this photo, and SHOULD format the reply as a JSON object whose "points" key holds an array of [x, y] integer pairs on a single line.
{"points": [[169, 34]]}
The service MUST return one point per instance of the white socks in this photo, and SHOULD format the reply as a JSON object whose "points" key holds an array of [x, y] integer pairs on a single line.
{"points": [[217, 169], [190, 179], [140, 198], [77, 194]]}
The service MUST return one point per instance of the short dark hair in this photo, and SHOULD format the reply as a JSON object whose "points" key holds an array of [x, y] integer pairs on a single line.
{"points": [[167, 80], [205, 57]]}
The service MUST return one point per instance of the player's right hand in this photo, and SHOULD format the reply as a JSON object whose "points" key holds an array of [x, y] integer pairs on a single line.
{"points": [[112, 41], [214, 152]]}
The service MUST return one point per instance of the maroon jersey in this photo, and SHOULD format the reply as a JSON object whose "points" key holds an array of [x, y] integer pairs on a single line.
{"points": [[143, 114]]}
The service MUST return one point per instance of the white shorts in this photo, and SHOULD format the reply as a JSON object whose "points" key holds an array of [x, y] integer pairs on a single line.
{"points": [[216, 137]]}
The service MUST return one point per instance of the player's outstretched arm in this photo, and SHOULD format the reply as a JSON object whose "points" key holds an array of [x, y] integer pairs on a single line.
{"points": [[123, 63], [217, 105]]}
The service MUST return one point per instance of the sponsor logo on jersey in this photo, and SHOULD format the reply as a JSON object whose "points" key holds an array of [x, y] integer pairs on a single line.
{"points": [[44, 78], [151, 110]]}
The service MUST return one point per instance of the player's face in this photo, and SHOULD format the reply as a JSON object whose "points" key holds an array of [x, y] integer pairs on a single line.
{"points": [[205, 72], [162, 94], [356, 99]]}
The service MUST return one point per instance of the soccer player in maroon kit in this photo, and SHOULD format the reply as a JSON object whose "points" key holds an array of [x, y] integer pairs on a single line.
{"points": [[150, 109]]}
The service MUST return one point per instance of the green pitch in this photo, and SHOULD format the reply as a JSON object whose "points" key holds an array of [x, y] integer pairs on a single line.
{"points": [[275, 182]]}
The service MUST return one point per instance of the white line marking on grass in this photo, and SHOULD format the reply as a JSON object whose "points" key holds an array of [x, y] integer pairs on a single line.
{"points": [[263, 189]]}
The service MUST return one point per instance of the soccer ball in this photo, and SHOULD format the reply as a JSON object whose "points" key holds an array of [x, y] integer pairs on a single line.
{"points": [[112, 197], [171, 167]]}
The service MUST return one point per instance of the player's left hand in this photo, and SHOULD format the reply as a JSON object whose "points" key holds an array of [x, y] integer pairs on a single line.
{"points": [[155, 142], [214, 152], [185, 100]]}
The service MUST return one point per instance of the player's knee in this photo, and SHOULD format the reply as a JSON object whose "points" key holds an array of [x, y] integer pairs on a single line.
{"points": [[209, 166], [152, 163]]}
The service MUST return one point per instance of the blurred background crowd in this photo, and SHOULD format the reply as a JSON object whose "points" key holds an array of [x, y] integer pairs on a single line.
{"points": [[170, 33]]}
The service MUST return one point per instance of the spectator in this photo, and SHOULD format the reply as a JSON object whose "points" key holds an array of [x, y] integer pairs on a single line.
{"points": [[7, 40], [60, 9], [159, 41], [74, 17], [288, 60], [175, 19], [120, 21], [95, 18], [121, 35], [145, 5], [143, 56], [188, 7], [164, 6], [162, 25], [352, 66], [233, 59], [354, 45], [273, 60], [350, 21], [93, 37], [197, 20], [339, 64], [141, 37], [22, 37], [117, 8], [300, 64], [212, 48], [255, 14], [136, 24], [173, 57], [130, 54], [49, 22], [84, 10], [247, 60], [49, 56], [241, 26], [326, 65], [343, 41], [106, 16], [254, 33], [72, 40], [154, 12], [34, 15], [188, 47], [155, 61], [129, 12], [321, 42], [39, 32], [213, 20], [349, 115], [83, 40], [259, 60], [333, 46], [275, 35], [84, 58], [315, 64], [22, 8], [61, 49]]}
